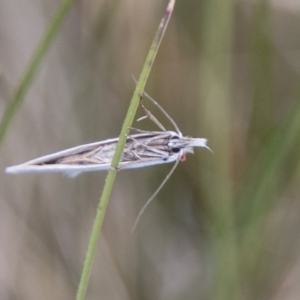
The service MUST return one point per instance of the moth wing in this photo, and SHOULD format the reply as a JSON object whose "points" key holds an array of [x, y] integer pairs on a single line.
{"points": [[42, 164]]}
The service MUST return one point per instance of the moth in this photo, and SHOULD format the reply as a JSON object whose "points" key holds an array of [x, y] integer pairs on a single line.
{"points": [[143, 149]]}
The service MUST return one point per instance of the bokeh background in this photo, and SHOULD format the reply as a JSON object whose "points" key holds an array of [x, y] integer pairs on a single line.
{"points": [[227, 224]]}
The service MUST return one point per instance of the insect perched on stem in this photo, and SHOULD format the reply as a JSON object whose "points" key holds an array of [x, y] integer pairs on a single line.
{"points": [[142, 149]]}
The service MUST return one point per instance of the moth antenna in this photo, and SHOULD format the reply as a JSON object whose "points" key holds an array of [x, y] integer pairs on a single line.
{"points": [[153, 196], [160, 108], [164, 112]]}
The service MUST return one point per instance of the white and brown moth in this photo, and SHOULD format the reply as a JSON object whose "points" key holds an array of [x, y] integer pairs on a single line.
{"points": [[143, 149], [146, 148]]}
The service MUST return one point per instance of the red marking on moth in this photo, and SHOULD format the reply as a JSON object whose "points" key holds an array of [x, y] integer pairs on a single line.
{"points": [[183, 157]]}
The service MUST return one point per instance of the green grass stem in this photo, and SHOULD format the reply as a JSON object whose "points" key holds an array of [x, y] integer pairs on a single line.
{"points": [[29, 74], [119, 150], [215, 82]]}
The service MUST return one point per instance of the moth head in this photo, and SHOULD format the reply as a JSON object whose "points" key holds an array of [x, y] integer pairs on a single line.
{"points": [[186, 144]]}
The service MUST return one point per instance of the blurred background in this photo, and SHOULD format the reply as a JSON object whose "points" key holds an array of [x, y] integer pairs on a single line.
{"points": [[226, 225]]}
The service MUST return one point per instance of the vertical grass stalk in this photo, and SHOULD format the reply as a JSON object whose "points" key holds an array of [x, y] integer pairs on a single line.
{"points": [[215, 81], [119, 150], [29, 74]]}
